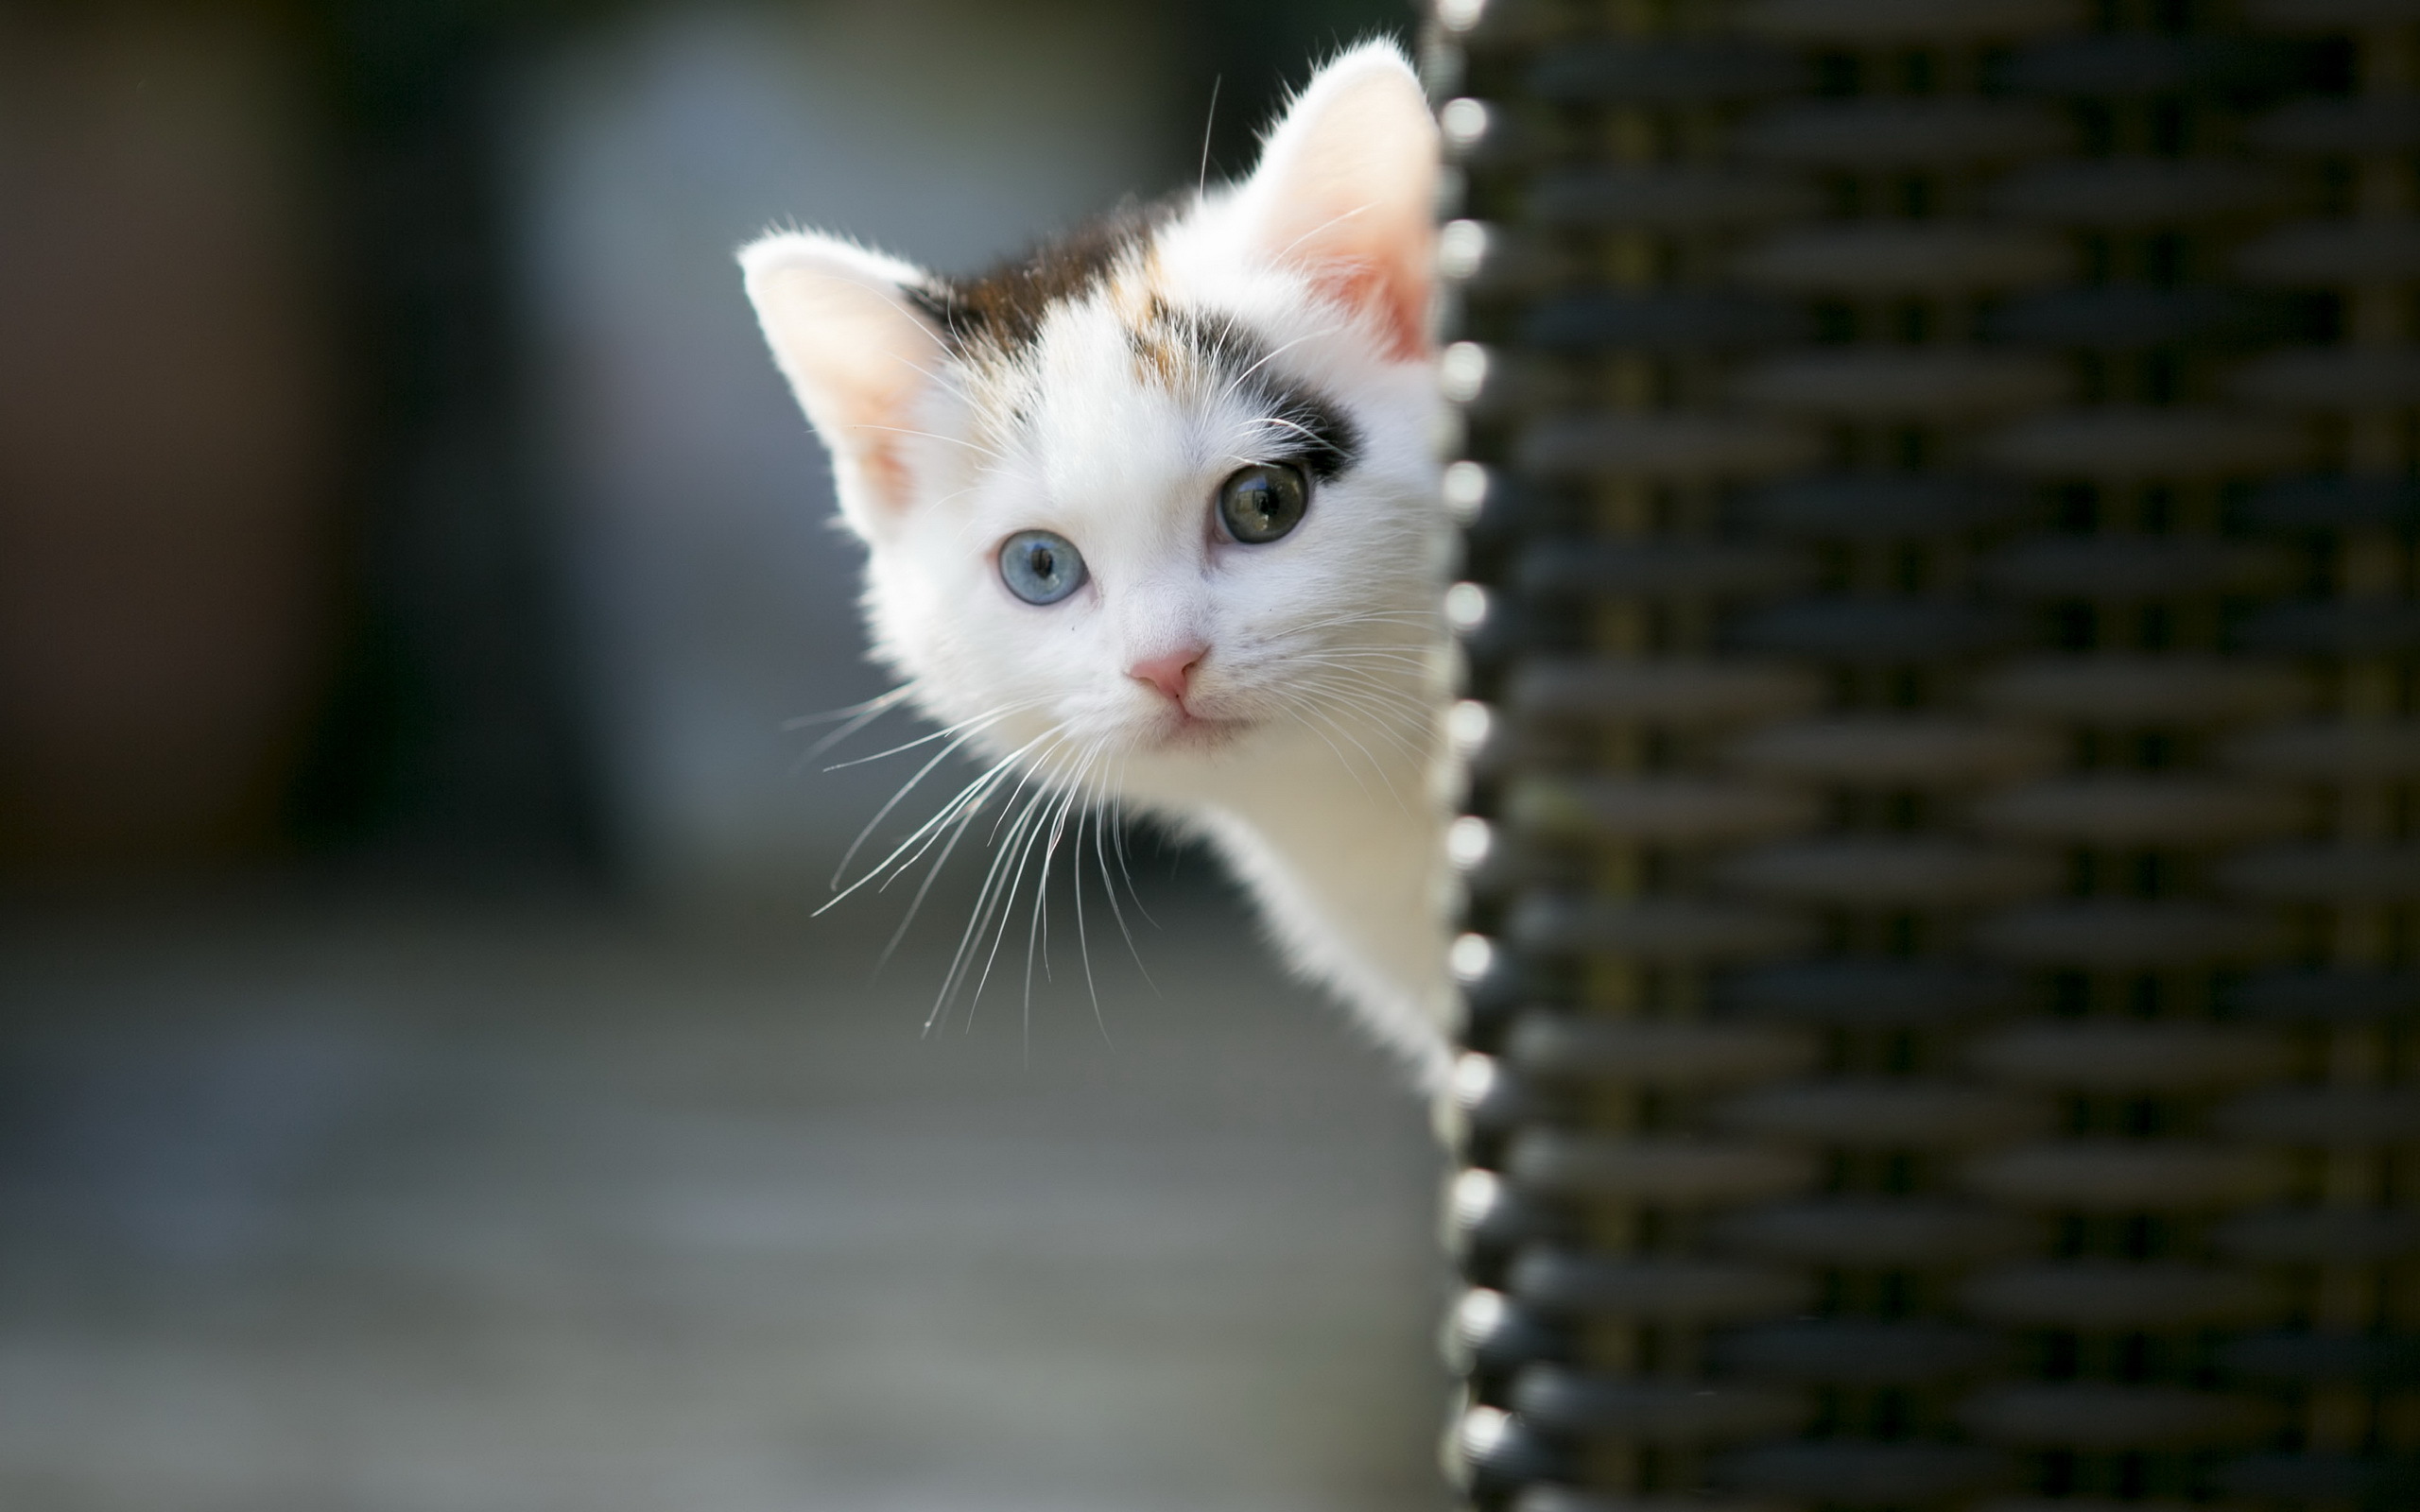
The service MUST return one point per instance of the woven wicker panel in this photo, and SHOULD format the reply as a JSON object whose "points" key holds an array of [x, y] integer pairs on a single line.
{"points": [[1940, 633]]}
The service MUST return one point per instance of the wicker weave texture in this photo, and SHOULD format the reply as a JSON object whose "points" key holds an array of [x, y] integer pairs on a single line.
{"points": [[1944, 726]]}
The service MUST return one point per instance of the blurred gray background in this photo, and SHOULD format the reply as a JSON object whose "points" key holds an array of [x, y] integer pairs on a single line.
{"points": [[422, 1084]]}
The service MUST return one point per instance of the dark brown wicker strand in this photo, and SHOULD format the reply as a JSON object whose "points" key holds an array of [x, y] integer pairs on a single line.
{"points": [[1942, 481]]}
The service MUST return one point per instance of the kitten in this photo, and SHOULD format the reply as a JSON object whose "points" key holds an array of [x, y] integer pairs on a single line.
{"points": [[1153, 519]]}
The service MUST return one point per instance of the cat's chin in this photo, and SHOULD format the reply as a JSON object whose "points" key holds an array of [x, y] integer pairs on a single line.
{"points": [[1183, 733]]}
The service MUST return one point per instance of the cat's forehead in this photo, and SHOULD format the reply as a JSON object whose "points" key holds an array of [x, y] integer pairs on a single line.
{"points": [[1130, 386], [1129, 348], [1103, 351]]}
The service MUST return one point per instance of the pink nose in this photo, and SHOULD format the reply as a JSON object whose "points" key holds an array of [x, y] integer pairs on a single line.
{"points": [[1168, 672]]}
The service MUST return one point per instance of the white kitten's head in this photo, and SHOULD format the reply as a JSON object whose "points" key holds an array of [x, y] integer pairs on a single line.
{"points": [[1158, 497]]}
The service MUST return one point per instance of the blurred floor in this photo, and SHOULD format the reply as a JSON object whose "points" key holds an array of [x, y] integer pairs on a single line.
{"points": [[358, 1208]]}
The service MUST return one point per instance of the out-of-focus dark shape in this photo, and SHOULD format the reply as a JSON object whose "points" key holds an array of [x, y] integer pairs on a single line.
{"points": [[170, 403], [449, 738]]}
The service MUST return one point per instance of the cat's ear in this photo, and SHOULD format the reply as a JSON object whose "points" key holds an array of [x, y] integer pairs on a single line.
{"points": [[1346, 191], [857, 352]]}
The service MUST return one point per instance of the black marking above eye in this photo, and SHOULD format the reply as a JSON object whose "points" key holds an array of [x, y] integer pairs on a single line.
{"points": [[1294, 421], [1313, 429], [1041, 566], [1263, 502]]}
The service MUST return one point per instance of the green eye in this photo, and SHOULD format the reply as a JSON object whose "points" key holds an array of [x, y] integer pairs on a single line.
{"points": [[1041, 567], [1264, 502]]}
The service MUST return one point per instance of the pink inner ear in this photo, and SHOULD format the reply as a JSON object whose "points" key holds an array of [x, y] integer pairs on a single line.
{"points": [[873, 394], [1392, 296], [1345, 191], [858, 356], [884, 474]]}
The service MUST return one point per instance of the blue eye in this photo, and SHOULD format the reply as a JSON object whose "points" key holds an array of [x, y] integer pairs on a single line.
{"points": [[1040, 567]]}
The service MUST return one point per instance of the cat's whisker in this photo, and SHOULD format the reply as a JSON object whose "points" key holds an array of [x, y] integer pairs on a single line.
{"points": [[1066, 795], [1033, 774], [895, 799], [884, 812], [977, 925], [1201, 180], [1420, 617], [1413, 645], [1329, 225], [1101, 848], [1392, 633], [1404, 669], [959, 735], [1374, 685], [1383, 688], [1076, 893], [1308, 433], [877, 704], [1377, 727], [1037, 931], [1118, 845], [1409, 653], [956, 493], [1383, 723], [970, 798], [956, 831], [915, 905], [1393, 677], [968, 802], [988, 717], [1387, 677], [1272, 354], [1303, 716], [1040, 927], [1086, 810], [991, 451], [1342, 686], [1020, 843], [1002, 882], [946, 375], [1037, 938], [962, 810], [1376, 766], [1402, 637], [832, 738]]}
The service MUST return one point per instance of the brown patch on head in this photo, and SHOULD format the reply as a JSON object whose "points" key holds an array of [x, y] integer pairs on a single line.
{"points": [[1175, 346], [1155, 338], [1003, 309]]}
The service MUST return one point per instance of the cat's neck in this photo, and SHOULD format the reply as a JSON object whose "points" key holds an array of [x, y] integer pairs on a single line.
{"points": [[1341, 837]]}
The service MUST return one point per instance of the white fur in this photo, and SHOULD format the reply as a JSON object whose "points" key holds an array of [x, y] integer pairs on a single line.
{"points": [[1324, 648]]}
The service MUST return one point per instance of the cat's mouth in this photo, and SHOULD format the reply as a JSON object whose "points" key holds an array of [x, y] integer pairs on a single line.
{"points": [[1183, 729]]}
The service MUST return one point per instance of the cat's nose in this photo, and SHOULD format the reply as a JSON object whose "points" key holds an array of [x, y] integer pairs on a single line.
{"points": [[1170, 671]]}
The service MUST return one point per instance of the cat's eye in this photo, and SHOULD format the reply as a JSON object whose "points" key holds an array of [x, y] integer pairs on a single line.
{"points": [[1041, 567], [1263, 502]]}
